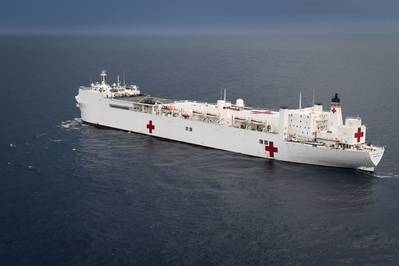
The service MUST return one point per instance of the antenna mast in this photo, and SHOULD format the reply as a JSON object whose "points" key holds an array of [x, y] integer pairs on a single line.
{"points": [[313, 97], [300, 100], [103, 76]]}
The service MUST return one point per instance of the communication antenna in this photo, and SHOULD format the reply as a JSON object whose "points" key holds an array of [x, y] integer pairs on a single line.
{"points": [[124, 81], [313, 97], [221, 94], [224, 96], [300, 100]]}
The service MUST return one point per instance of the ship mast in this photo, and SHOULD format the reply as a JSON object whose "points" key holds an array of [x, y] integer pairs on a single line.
{"points": [[103, 76]]}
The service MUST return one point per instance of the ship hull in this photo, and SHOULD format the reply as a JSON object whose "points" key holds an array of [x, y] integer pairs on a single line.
{"points": [[98, 111]]}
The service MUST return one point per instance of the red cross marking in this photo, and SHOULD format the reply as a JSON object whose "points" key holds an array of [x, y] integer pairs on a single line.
{"points": [[150, 126], [359, 134], [333, 110], [271, 149]]}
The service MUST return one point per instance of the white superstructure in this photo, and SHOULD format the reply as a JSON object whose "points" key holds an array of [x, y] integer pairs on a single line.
{"points": [[304, 135]]}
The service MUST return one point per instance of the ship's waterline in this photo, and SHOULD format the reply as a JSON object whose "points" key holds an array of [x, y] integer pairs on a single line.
{"points": [[304, 135]]}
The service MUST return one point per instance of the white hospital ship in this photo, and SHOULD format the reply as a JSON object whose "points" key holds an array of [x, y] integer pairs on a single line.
{"points": [[305, 135]]}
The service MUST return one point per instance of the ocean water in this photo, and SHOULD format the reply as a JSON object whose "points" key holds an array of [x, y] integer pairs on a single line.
{"points": [[72, 194]]}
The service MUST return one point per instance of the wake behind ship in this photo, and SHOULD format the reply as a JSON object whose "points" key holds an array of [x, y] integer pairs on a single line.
{"points": [[305, 135]]}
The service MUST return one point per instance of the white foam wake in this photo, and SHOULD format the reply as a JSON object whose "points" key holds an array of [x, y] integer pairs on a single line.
{"points": [[381, 175], [390, 175], [71, 124]]}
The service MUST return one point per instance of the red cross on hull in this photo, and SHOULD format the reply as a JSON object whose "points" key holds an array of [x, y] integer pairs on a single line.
{"points": [[150, 126], [359, 134], [271, 149]]}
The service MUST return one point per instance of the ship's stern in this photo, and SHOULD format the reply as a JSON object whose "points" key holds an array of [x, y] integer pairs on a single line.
{"points": [[91, 105]]}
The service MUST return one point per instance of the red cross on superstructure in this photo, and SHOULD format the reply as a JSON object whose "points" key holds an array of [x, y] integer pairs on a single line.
{"points": [[333, 110], [271, 149], [359, 134], [150, 126]]}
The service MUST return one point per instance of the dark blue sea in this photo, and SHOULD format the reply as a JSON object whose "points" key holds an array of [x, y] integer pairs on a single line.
{"points": [[73, 194]]}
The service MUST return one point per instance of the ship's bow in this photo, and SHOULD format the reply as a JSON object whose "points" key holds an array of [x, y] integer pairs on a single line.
{"points": [[375, 156]]}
